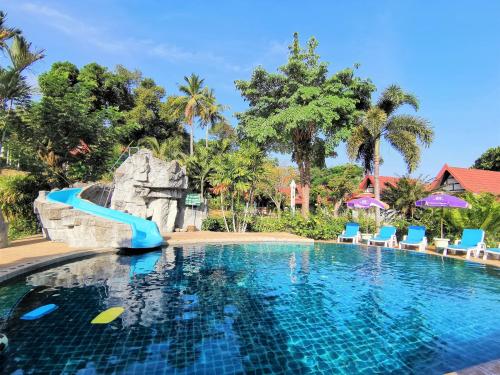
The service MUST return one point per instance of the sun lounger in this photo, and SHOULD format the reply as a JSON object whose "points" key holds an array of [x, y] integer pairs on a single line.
{"points": [[386, 237], [491, 251], [351, 233], [415, 238], [472, 242]]}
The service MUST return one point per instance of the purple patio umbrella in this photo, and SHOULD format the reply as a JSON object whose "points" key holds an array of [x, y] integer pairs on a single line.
{"points": [[365, 203], [442, 201]]}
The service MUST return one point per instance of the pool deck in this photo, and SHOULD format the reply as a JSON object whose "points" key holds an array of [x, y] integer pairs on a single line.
{"points": [[488, 368]]}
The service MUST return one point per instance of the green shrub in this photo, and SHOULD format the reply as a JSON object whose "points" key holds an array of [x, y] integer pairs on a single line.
{"points": [[17, 194], [319, 227], [367, 224], [269, 224], [213, 224], [20, 227]]}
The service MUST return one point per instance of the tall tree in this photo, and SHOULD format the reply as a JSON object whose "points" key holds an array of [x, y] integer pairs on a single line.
{"points": [[191, 103], [150, 115], [405, 133], [6, 32], [234, 179], [302, 111], [14, 89], [489, 160], [332, 186], [211, 112], [22, 55]]}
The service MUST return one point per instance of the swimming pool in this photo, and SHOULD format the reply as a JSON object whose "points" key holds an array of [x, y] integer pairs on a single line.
{"points": [[256, 308]]}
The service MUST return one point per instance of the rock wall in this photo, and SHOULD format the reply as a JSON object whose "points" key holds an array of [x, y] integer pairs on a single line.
{"points": [[191, 216], [4, 227], [62, 223], [96, 193], [150, 188]]}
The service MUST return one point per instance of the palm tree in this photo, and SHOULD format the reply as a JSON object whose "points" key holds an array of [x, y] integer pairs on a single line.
{"points": [[404, 194], [21, 54], [406, 133], [191, 103], [211, 112], [14, 91], [170, 149], [6, 32]]}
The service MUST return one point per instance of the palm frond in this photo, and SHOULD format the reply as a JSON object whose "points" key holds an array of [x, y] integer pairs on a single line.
{"points": [[21, 53], [394, 97], [406, 144], [415, 125]]}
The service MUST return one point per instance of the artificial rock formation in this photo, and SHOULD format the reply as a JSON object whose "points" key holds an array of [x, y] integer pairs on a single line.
{"points": [[3, 232], [150, 188], [62, 223]]}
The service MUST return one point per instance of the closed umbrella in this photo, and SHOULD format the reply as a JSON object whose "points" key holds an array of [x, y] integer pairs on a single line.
{"points": [[440, 200]]}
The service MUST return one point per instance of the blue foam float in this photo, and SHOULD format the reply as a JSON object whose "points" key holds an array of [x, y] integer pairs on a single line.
{"points": [[39, 312]]}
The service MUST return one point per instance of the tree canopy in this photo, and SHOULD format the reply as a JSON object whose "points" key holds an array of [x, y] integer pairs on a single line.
{"points": [[489, 160], [301, 109]]}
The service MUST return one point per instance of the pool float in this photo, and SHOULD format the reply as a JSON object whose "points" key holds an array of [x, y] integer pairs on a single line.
{"points": [[39, 312], [108, 315]]}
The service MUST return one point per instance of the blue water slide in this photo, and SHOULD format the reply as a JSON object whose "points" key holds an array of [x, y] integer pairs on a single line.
{"points": [[145, 233]]}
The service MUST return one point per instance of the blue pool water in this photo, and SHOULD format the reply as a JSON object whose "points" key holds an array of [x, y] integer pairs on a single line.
{"points": [[256, 308]]}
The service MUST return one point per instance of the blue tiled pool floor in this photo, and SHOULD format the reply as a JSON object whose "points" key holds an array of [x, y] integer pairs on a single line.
{"points": [[256, 308]]}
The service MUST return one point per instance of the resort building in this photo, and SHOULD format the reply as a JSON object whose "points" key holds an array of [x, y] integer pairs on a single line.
{"points": [[449, 179], [457, 180], [368, 184]]}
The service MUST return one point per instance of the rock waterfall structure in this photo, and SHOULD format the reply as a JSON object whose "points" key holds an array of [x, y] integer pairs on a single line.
{"points": [[150, 188], [143, 186]]}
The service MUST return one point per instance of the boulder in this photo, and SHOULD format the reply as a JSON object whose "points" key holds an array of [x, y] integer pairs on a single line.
{"points": [[62, 223], [4, 241], [150, 188]]}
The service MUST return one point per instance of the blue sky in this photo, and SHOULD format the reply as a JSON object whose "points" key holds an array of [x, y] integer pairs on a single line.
{"points": [[446, 52]]}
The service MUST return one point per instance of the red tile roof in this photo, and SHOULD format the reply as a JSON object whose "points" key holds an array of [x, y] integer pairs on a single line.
{"points": [[298, 194], [384, 180], [473, 180]]}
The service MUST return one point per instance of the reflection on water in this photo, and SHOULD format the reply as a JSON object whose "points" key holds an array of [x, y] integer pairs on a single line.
{"points": [[256, 308]]}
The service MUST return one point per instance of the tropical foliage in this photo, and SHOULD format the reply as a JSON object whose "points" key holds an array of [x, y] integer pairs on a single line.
{"points": [[235, 180], [484, 213], [301, 110], [489, 160], [84, 118], [331, 187], [405, 133], [274, 182], [404, 194]]}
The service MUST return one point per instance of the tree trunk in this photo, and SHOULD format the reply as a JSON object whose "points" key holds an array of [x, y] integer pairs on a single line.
{"points": [[223, 211], [305, 180], [376, 177], [191, 140], [336, 208], [233, 213], [206, 136]]}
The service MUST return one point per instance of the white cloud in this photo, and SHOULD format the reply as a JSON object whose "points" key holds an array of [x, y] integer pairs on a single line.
{"points": [[103, 39]]}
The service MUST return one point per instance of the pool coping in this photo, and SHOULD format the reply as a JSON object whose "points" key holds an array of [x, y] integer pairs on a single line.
{"points": [[20, 268]]}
